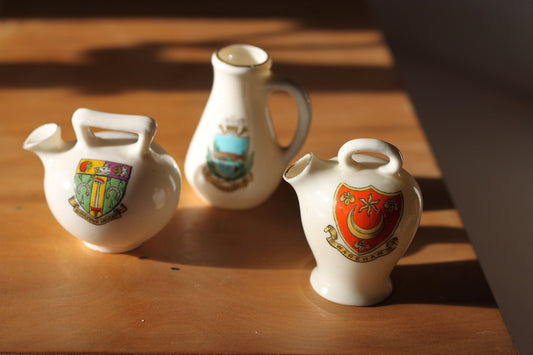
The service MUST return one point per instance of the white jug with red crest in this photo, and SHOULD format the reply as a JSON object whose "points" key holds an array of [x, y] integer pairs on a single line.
{"points": [[234, 160], [359, 213], [112, 189]]}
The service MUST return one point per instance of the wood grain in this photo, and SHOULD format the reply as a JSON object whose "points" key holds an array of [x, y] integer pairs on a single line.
{"points": [[216, 281]]}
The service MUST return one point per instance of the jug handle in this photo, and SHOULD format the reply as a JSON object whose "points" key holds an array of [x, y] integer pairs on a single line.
{"points": [[303, 104], [83, 119], [371, 145]]}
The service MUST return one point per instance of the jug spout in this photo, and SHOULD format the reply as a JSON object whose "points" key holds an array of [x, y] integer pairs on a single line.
{"points": [[45, 141], [306, 166]]}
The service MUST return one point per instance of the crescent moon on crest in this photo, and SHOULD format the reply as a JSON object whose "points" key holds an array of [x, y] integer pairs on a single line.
{"points": [[365, 233]]}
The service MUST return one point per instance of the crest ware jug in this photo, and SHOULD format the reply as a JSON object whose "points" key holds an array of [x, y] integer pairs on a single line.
{"points": [[234, 160], [111, 189], [359, 214]]}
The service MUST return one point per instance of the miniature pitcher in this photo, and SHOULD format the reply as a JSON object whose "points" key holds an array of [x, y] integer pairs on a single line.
{"points": [[234, 160], [111, 189], [359, 214]]}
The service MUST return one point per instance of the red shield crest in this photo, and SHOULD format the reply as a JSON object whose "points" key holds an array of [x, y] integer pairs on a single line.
{"points": [[366, 217]]}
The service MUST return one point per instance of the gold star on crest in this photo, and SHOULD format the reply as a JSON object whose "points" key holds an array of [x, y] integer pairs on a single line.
{"points": [[368, 205]]}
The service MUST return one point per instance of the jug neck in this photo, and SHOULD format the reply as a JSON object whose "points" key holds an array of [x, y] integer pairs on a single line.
{"points": [[241, 60], [305, 167], [46, 141]]}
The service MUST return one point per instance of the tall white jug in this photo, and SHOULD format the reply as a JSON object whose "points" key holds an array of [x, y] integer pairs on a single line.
{"points": [[234, 160]]}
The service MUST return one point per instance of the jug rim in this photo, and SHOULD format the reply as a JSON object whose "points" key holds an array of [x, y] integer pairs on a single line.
{"points": [[40, 135], [297, 168], [242, 56]]}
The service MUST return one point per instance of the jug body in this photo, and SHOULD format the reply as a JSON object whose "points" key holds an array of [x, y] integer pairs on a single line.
{"points": [[112, 189], [234, 160], [359, 214]]}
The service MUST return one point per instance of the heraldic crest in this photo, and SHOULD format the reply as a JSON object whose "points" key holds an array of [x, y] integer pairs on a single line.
{"points": [[229, 162], [99, 187], [366, 219]]}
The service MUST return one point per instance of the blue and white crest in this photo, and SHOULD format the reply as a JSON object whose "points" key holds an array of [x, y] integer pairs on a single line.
{"points": [[229, 161]]}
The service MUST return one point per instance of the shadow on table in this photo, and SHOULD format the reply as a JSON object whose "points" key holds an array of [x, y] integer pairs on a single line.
{"points": [[458, 283], [338, 14], [141, 67], [454, 283], [266, 237], [428, 235], [271, 237], [110, 70], [435, 194]]}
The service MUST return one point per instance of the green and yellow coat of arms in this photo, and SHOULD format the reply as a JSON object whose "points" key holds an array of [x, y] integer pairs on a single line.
{"points": [[99, 187]]}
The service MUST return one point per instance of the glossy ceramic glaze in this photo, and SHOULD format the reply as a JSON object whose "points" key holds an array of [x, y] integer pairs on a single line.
{"points": [[113, 189], [359, 214], [234, 160]]}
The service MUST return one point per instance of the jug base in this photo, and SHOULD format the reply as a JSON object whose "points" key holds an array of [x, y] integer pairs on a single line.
{"points": [[113, 250], [341, 292]]}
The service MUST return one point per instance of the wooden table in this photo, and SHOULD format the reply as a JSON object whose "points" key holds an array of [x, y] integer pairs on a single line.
{"points": [[216, 281]]}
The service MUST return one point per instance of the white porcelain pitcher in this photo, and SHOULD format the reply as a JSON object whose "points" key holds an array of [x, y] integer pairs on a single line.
{"points": [[359, 214], [234, 160], [111, 189]]}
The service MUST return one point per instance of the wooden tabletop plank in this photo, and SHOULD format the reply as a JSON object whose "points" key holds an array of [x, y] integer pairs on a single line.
{"points": [[214, 280]]}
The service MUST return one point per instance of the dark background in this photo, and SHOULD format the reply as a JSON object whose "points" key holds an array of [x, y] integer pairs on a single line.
{"points": [[467, 66]]}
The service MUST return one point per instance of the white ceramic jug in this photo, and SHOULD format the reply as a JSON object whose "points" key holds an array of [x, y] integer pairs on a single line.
{"points": [[359, 214], [112, 189], [234, 160]]}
